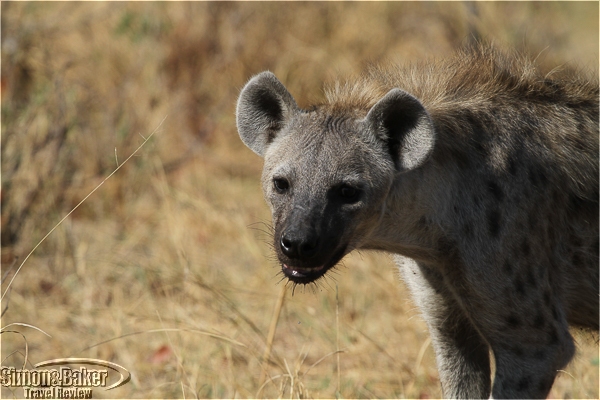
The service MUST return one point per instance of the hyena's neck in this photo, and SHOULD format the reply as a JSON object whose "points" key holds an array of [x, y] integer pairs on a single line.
{"points": [[406, 224]]}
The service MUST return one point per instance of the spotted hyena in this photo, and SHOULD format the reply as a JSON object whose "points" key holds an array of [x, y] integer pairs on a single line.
{"points": [[481, 170]]}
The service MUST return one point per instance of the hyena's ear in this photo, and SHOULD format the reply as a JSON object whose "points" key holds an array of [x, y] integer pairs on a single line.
{"points": [[400, 120], [263, 108]]}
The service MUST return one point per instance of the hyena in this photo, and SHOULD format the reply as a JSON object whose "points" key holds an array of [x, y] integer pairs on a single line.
{"points": [[479, 168]]}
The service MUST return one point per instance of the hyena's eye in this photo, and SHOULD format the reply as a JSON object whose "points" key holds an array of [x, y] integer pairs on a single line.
{"points": [[349, 193], [281, 185]]}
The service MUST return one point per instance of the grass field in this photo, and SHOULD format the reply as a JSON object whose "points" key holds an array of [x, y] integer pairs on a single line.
{"points": [[167, 269]]}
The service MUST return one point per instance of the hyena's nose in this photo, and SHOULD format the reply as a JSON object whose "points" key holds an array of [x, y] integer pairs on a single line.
{"points": [[298, 247]]}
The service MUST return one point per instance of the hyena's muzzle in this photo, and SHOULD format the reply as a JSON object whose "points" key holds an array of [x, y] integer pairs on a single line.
{"points": [[308, 245]]}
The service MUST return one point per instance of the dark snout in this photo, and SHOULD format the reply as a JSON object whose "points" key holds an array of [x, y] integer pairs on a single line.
{"points": [[305, 252]]}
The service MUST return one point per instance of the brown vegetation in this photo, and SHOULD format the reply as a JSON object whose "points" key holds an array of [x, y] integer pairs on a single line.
{"points": [[173, 241]]}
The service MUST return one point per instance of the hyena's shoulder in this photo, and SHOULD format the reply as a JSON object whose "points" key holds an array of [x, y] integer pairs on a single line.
{"points": [[498, 110]]}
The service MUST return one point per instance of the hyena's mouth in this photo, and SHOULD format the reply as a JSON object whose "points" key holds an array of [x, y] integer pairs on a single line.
{"points": [[303, 275], [307, 275]]}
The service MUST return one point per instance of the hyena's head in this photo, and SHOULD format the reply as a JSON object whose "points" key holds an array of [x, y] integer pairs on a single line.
{"points": [[327, 172]]}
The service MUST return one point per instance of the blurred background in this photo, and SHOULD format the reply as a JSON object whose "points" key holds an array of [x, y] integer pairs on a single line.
{"points": [[167, 269]]}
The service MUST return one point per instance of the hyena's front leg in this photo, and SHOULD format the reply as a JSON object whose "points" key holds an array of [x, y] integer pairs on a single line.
{"points": [[461, 353], [530, 345]]}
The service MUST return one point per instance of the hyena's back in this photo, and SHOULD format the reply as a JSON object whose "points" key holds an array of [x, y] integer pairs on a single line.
{"points": [[485, 102]]}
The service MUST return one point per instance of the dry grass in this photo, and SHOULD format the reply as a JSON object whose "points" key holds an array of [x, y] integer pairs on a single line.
{"points": [[172, 246]]}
